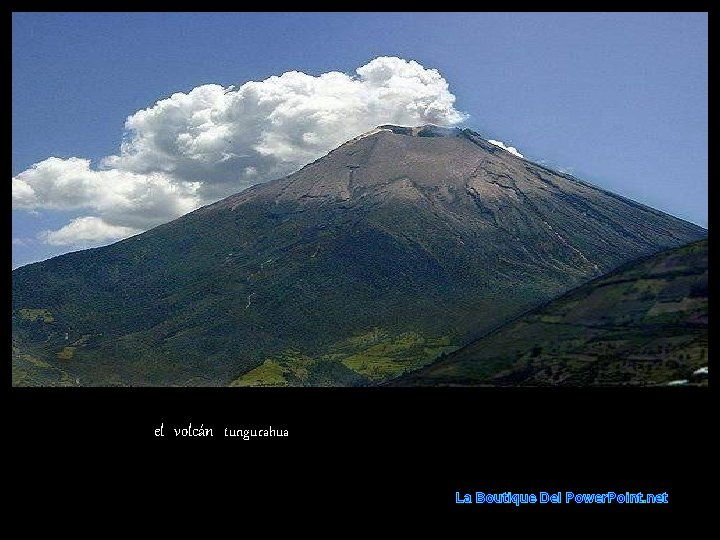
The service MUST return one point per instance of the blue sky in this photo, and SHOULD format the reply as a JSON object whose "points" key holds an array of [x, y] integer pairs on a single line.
{"points": [[616, 99]]}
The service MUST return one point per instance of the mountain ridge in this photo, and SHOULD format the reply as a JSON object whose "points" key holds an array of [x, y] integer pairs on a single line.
{"points": [[650, 312]]}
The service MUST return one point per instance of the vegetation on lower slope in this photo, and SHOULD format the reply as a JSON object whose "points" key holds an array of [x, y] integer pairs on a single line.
{"points": [[29, 370], [645, 324], [358, 361]]}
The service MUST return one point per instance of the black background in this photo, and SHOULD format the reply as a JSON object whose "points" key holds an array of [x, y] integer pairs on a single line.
{"points": [[363, 451]]}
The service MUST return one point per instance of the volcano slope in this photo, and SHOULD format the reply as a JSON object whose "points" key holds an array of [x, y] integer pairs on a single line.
{"points": [[643, 324], [398, 246]]}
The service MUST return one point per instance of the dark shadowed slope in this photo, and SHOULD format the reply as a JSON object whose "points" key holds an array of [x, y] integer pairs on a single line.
{"points": [[646, 323], [396, 247]]}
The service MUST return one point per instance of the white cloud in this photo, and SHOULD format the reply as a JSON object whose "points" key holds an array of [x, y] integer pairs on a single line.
{"points": [[197, 147], [86, 230], [511, 149], [122, 198], [19, 242]]}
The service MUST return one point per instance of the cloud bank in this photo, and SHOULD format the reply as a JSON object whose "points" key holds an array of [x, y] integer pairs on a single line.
{"points": [[197, 147], [88, 229]]}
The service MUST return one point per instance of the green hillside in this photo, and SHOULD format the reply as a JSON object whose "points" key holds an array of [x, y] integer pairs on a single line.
{"points": [[645, 324]]}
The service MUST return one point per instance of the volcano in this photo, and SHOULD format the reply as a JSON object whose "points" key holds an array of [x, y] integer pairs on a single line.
{"points": [[399, 246]]}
